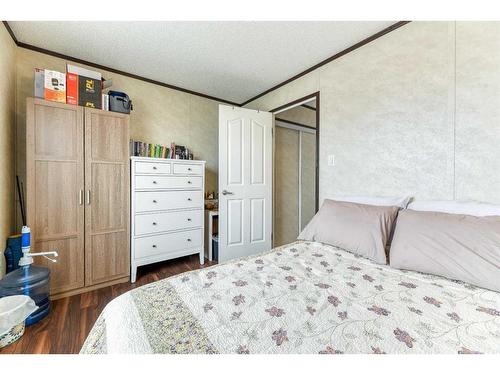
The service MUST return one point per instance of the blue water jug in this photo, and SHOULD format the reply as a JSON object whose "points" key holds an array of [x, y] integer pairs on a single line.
{"points": [[13, 253], [32, 281]]}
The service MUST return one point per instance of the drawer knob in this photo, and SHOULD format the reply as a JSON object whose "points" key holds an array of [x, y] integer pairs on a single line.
{"points": [[154, 223], [189, 199], [154, 167], [154, 182], [189, 169], [154, 201], [189, 219], [189, 182], [189, 239], [154, 246]]}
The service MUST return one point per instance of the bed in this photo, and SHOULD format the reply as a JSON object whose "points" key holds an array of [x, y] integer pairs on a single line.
{"points": [[305, 297]]}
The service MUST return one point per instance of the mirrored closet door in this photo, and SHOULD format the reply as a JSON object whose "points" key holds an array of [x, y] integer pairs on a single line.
{"points": [[294, 172]]}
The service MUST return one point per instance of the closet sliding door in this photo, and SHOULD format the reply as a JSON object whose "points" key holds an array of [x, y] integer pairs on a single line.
{"points": [[286, 188], [106, 196], [295, 182], [307, 189]]}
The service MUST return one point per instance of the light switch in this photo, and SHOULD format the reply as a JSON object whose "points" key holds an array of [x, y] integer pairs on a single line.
{"points": [[331, 160]]}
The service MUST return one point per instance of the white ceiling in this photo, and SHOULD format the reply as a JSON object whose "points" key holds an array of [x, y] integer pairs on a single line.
{"points": [[229, 60]]}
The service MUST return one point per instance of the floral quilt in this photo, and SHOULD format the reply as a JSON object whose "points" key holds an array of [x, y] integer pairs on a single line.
{"points": [[300, 298]]}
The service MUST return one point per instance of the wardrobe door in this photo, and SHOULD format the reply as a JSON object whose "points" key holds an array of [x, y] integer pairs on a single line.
{"points": [[54, 183], [107, 252]]}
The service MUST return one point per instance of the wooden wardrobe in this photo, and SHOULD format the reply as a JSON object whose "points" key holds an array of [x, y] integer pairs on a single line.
{"points": [[77, 194]]}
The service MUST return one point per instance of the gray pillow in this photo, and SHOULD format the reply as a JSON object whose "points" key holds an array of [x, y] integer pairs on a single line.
{"points": [[459, 247], [359, 228]]}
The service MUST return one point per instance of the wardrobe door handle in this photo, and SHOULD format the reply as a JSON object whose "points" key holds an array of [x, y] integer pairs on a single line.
{"points": [[88, 196], [80, 197]]}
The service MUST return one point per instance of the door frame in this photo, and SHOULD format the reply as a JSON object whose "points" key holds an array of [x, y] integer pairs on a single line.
{"points": [[285, 107]]}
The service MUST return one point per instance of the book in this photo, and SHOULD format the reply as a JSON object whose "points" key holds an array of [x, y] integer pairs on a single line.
{"points": [[156, 150]]}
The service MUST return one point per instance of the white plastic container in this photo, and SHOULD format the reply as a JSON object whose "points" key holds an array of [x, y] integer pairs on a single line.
{"points": [[13, 312]]}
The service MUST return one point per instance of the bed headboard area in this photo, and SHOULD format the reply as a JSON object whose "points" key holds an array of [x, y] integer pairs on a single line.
{"points": [[414, 112]]}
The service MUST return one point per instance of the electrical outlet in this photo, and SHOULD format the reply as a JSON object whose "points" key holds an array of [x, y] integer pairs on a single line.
{"points": [[331, 160]]}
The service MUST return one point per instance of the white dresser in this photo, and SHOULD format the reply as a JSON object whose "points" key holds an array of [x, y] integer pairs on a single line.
{"points": [[167, 209]]}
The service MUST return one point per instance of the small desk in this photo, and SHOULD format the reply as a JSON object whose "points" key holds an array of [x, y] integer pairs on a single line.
{"points": [[210, 215]]}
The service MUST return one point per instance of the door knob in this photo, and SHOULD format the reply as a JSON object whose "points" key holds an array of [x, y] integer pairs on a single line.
{"points": [[225, 192]]}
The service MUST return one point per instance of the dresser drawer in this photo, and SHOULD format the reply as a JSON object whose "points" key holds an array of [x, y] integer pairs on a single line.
{"points": [[188, 168], [167, 243], [146, 167], [168, 182], [167, 221], [167, 200]]}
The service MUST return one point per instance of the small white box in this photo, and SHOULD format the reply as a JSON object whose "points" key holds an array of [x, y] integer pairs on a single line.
{"points": [[39, 83], [105, 102]]}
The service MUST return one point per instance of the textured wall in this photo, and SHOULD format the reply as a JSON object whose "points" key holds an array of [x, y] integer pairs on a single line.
{"points": [[160, 115], [397, 122], [478, 111], [7, 121]]}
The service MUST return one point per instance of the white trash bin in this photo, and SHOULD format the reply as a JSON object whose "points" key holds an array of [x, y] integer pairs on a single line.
{"points": [[13, 312]]}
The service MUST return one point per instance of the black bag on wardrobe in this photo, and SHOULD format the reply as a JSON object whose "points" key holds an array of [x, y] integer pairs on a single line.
{"points": [[119, 102]]}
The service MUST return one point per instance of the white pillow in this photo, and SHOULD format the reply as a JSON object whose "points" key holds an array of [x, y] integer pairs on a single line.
{"points": [[473, 208], [400, 202]]}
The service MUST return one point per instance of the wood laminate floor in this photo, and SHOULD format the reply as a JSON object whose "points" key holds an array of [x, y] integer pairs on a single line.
{"points": [[72, 318]]}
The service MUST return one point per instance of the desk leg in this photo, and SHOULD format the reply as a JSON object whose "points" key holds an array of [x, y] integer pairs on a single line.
{"points": [[210, 229]]}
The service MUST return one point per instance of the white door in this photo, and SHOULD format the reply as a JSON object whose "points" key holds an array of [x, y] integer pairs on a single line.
{"points": [[245, 182]]}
